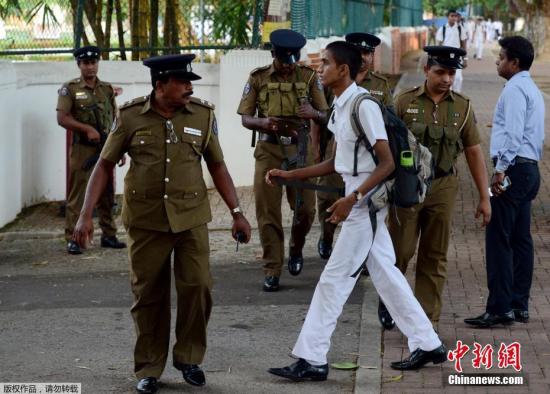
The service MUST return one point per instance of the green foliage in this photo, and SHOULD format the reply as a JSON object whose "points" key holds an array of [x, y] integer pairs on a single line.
{"points": [[232, 20]]}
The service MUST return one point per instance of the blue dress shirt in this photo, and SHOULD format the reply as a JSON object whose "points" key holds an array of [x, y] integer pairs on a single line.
{"points": [[518, 122]]}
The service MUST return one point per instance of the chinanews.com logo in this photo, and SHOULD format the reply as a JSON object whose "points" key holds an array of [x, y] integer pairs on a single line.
{"points": [[483, 358]]}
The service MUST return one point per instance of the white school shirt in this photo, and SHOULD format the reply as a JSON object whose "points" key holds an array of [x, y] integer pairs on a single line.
{"points": [[339, 123], [452, 38]]}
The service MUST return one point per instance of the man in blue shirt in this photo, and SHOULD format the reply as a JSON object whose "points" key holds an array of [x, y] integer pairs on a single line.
{"points": [[516, 148]]}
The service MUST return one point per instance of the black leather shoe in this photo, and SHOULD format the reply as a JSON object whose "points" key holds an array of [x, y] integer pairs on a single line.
{"points": [[301, 370], [147, 385], [295, 264], [192, 374], [487, 320], [420, 357], [324, 249], [384, 316], [521, 316], [271, 283], [73, 248], [112, 242]]}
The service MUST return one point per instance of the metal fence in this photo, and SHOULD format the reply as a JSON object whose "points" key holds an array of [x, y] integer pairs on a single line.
{"points": [[406, 12]]}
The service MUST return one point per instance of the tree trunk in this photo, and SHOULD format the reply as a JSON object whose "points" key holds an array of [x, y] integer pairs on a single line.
{"points": [[134, 27], [108, 22], [143, 28], [90, 9], [153, 26], [171, 35], [120, 30]]}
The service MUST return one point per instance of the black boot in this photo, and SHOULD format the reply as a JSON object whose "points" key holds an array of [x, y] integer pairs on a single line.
{"points": [[271, 283], [147, 385], [73, 248], [295, 264]]}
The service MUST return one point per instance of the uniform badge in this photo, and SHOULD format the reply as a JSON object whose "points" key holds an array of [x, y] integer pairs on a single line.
{"points": [[246, 89], [412, 110], [215, 127], [456, 115], [81, 96], [192, 131], [63, 91]]}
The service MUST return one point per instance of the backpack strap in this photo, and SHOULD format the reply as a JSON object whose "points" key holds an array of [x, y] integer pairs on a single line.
{"points": [[444, 30], [358, 128]]}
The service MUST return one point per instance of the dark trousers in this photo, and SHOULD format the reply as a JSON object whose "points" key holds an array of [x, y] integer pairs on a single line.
{"points": [[508, 241]]}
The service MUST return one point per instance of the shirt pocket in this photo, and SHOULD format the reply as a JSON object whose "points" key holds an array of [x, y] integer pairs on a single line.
{"points": [[145, 148], [191, 146]]}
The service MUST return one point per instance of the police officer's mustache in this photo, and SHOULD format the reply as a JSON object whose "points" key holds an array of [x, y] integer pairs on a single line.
{"points": [[190, 93]]}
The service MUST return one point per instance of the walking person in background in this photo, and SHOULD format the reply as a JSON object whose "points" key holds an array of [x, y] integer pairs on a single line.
{"points": [[517, 139], [479, 38], [453, 34]]}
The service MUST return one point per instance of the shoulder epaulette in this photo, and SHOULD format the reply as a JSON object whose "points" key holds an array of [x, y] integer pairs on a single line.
{"points": [[202, 102], [461, 96], [379, 76], [73, 81], [409, 90], [137, 100], [263, 68]]}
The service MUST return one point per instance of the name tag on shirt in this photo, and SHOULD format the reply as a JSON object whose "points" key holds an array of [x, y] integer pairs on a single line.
{"points": [[412, 110], [81, 95], [192, 131]]}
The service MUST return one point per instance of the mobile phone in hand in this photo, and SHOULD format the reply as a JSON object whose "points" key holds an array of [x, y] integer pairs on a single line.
{"points": [[506, 183]]}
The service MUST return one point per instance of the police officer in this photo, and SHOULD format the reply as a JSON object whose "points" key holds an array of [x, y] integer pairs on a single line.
{"points": [[444, 122], [378, 86], [278, 99], [165, 212], [87, 106]]}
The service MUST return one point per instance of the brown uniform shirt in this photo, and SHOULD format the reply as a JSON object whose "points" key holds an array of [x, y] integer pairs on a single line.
{"points": [[255, 89], [412, 102], [77, 99], [164, 189]]}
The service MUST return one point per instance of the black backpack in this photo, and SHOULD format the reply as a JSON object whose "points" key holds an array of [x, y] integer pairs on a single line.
{"points": [[408, 184]]}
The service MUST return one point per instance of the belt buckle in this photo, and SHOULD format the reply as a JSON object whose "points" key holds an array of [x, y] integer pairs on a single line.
{"points": [[286, 140]]}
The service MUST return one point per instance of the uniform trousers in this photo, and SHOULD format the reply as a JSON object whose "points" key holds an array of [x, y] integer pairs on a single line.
{"points": [[150, 275], [479, 48], [335, 285], [508, 241], [78, 180], [431, 222], [325, 200], [268, 208], [457, 84]]}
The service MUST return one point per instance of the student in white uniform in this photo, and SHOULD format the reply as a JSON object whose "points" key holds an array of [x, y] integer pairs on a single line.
{"points": [[452, 34], [340, 63], [479, 38]]}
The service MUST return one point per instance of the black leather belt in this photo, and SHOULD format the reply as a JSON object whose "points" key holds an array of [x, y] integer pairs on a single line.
{"points": [[273, 139], [441, 174], [519, 160]]}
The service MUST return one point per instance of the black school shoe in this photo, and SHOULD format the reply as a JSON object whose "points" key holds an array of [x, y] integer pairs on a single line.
{"points": [[419, 358], [301, 370], [487, 320], [147, 385], [111, 242], [192, 374], [73, 248]]}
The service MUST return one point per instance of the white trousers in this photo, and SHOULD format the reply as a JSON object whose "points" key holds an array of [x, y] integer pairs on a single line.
{"points": [[457, 84], [336, 284], [479, 49]]}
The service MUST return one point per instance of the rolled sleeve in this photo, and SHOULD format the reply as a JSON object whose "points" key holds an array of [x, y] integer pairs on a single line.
{"points": [[116, 145]]}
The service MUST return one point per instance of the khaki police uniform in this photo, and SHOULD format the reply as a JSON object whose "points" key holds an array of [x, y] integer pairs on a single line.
{"points": [[268, 94], [445, 128], [165, 210], [379, 87], [78, 99]]}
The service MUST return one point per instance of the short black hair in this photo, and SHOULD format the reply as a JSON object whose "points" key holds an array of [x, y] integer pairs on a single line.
{"points": [[162, 78], [517, 47], [452, 12], [345, 53]]}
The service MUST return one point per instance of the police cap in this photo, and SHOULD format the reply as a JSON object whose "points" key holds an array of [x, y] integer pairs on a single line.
{"points": [[87, 52], [178, 66], [449, 57], [364, 41], [287, 44]]}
